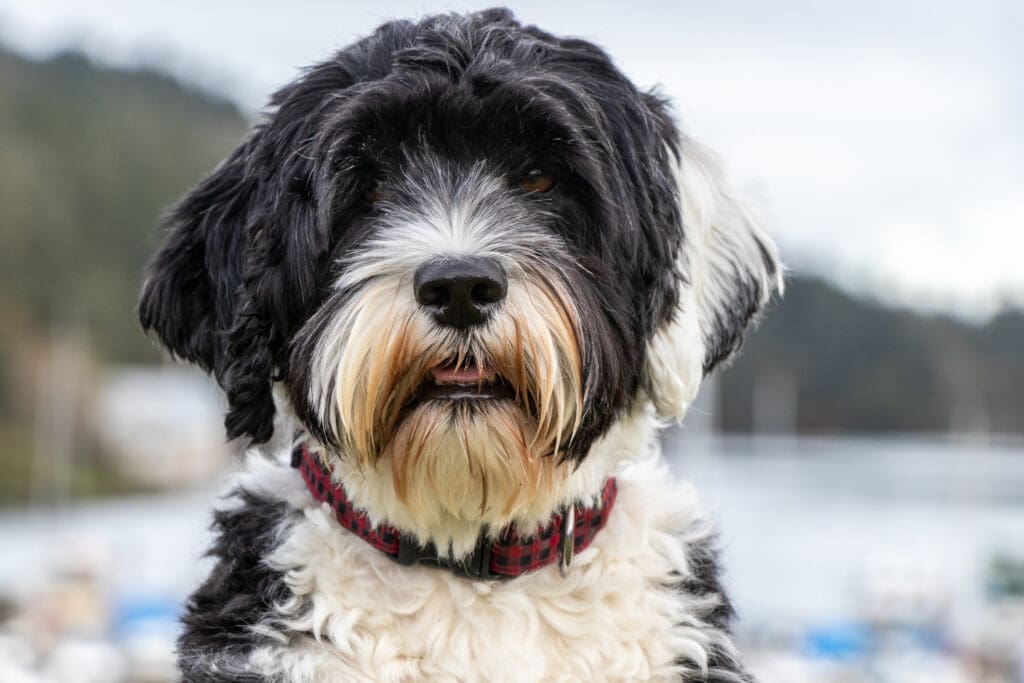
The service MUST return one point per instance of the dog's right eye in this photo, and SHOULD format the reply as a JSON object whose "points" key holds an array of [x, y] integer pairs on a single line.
{"points": [[375, 192], [537, 181]]}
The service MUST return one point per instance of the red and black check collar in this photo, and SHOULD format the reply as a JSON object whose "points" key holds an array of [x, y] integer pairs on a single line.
{"points": [[511, 555]]}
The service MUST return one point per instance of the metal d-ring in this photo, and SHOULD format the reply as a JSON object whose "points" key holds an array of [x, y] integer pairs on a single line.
{"points": [[568, 540]]}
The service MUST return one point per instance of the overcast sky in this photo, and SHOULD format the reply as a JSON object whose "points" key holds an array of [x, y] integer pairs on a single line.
{"points": [[883, 139]]}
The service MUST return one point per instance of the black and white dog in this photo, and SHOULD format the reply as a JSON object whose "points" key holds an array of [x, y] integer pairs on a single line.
{"points": [[451, 287]]}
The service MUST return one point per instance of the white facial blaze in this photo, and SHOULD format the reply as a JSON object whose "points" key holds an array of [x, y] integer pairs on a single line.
{"points": [[489, 460]]}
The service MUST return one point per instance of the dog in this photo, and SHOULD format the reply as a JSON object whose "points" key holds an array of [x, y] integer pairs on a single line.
{"points": [[452, 287]]}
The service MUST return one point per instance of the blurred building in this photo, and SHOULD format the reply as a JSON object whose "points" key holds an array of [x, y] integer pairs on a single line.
{"points": [[162, 424]]}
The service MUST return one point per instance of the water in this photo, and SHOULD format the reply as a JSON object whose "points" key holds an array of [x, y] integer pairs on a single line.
{"points": [[139, 545], [805, 523]]}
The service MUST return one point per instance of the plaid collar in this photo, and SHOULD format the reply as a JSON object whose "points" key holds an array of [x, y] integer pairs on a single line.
{"points": [[510, 556]]}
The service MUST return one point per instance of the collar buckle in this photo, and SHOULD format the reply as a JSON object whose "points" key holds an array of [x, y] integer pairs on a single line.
{"points": [[476, 567]]}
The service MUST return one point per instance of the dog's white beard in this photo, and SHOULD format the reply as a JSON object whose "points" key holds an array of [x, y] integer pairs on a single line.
{"points": [[441, 465]]}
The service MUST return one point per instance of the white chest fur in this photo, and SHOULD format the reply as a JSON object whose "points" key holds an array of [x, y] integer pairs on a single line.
{"points": [[619, 615]]}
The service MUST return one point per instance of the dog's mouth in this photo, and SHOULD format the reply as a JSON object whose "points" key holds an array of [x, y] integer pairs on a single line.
{"points": [[466, 381]]}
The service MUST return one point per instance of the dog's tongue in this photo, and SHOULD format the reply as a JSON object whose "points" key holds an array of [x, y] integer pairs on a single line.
{"points": [[449, 374]]}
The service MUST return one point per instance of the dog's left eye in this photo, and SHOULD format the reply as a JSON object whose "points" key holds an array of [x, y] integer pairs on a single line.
{"points": [[375, 192], [536, 181]]}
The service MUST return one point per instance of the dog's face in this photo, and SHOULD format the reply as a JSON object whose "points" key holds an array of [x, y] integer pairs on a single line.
{"points": [[460, 247]]}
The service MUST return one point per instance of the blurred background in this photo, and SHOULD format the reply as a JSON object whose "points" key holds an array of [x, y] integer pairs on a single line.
{"points": [[864, 456]]}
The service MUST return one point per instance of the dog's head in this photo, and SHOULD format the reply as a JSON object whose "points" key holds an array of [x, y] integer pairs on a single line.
{"points": [[465, 249]]}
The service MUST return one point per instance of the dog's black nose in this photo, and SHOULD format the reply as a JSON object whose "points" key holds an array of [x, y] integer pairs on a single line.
{"points": [[460, 292]]}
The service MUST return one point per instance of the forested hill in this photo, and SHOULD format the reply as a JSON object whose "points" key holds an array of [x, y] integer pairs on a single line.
{"points": [[855, 365], [89, 159]]}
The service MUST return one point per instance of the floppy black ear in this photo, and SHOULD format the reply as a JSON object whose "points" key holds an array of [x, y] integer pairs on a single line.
{"points": [[196, 297], [730, 271], [244, 252]]}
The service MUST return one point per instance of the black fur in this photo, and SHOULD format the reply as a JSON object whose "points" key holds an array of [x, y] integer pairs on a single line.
{"points": [[703, 578], [245, 257], [238, 594]]}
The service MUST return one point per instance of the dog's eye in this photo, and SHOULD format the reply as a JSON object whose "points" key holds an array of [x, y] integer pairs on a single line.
{"points": [[375, 192], [537, 181]]}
